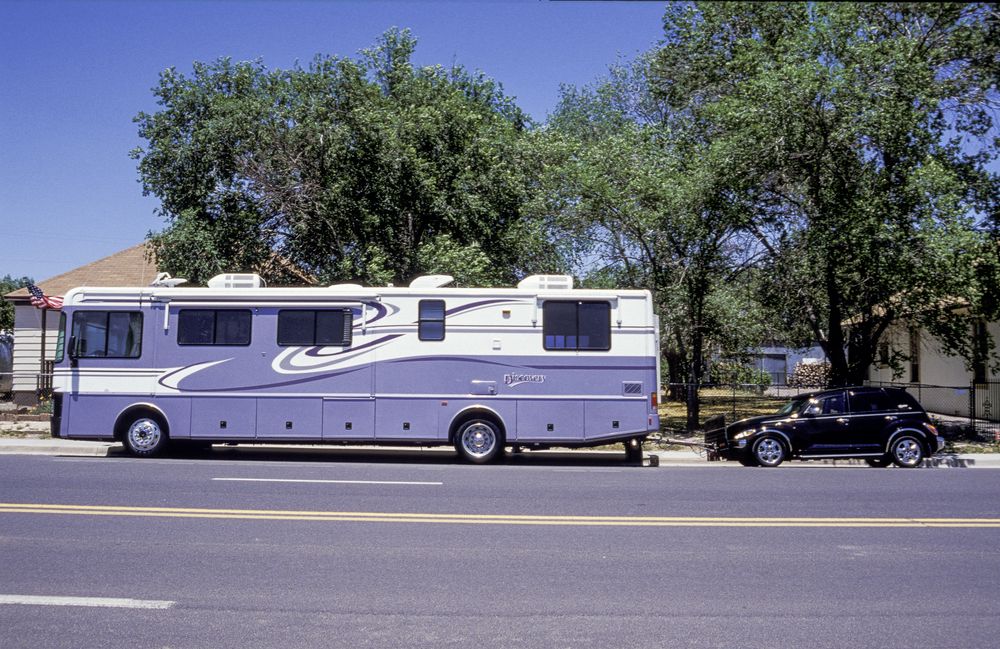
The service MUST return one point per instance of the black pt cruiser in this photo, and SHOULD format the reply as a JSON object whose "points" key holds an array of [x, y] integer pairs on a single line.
{"points": [[880, 425]]}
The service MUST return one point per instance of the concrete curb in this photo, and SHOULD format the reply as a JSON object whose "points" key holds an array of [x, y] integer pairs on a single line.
{"points": [[32, 446], [956, 461], [50, 446]]}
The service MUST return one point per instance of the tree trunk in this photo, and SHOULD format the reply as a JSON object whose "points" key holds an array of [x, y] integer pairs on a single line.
{"points": [[694, 379]]}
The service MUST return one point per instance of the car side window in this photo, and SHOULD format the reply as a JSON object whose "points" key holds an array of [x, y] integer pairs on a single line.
{"points": [[875, 401], [832, 405]]}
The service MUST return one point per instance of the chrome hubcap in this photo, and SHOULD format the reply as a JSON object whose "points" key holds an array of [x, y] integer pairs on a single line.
{"points": [[144, 434], [907, 451], [769, 451], [478, 440]]}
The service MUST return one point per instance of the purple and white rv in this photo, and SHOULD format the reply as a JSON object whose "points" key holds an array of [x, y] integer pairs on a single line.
{"points": [[535, 366]]}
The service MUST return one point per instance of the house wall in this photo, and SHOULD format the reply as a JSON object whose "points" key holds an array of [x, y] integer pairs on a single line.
{"points": [[28, 349], [945, 381]]}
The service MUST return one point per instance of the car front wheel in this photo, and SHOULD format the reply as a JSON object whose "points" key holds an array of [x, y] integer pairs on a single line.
{"points": [[768, 451], [907, 452]]}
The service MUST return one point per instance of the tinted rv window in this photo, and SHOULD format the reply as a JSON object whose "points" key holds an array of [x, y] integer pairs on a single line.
{"points": [[330, 327], [61, 340], [107, 334], [213, 327], [575, 326], [431, 320]]}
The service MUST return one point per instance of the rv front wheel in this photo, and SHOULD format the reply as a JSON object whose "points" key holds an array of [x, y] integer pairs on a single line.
{"points": [[145, 436], [478, 441]]}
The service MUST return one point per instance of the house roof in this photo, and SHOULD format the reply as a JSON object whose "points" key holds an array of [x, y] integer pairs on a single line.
{"points": [[128, 267]]}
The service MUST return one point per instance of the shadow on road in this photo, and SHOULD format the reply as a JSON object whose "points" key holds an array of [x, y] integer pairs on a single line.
{"points": [[419, 455]]}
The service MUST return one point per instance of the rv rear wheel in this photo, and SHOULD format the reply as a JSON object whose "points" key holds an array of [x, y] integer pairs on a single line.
{"points": [[478, 441], [145, 436]]}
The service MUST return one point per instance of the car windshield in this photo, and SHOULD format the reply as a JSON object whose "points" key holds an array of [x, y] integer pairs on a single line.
{"points": [[792, 406]]}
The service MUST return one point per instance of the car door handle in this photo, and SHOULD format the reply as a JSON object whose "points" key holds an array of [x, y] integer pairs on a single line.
{"points": [[891, 418], [841, 420]]}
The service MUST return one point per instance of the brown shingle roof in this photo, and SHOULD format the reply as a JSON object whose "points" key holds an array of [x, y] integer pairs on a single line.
{"points": [[128, 267]]}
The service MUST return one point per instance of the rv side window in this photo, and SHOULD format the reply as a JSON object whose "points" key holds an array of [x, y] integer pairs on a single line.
{"points": [[324, 328], [572, 326], [431, 320], [108, 334], [213, 327], [61, 340]]}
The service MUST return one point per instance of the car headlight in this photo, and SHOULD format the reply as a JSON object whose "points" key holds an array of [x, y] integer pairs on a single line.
{"points": [[743, 434], [932, 428]]}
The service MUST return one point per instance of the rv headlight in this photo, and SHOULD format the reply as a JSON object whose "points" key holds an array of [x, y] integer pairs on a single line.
{"points": [[743, 434]]}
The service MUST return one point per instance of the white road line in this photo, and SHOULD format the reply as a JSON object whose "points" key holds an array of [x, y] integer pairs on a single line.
{"points": [[105, 602], [433, 484]]}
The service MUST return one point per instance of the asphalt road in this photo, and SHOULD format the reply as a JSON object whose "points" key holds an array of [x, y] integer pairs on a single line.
{"points": [[415, 550]]}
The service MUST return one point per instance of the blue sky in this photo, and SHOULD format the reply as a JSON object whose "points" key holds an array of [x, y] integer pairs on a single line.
{"points": [[73, 74]]}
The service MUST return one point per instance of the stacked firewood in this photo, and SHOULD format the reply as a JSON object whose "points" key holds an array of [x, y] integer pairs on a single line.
{"points": [[811, 375]]}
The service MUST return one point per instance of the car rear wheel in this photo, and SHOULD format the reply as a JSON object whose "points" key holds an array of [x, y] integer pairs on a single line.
{"points": [[907, 452], [769, 451]]}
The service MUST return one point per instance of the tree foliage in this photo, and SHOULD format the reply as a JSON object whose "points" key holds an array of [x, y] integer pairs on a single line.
{"points": [[857, 136], [370, 169], [9, 284], [636, 188]]}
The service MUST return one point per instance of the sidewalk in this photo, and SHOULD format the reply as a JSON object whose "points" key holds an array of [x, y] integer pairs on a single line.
{"points": [[50, 446]]}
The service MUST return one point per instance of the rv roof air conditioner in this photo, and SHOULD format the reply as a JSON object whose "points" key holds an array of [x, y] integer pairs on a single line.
{"points": [[547, 282], [345, 286], [431, 281], [235, 280]]}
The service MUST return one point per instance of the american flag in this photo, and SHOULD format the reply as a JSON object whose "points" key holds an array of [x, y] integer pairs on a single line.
{"points": [[42, 301]]}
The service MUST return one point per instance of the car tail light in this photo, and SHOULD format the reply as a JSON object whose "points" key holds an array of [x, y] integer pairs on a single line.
{"points": [[653, 400]]}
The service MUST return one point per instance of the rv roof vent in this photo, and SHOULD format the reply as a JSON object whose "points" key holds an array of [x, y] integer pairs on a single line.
{"points": [[547, 282], [431, 281], [345, 286], [235, 280]]}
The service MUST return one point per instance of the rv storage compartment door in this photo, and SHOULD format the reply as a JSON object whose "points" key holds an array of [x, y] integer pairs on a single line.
{"points": [[348, 419], [223, 418], [614, 417], [284, 418], [549, 420]]}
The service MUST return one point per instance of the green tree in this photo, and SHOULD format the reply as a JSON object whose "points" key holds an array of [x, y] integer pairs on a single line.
{"points": [[857, 136], [370, 169], [648, 209], [9, 284]]}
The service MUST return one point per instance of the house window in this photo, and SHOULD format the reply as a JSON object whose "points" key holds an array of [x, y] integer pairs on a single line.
{"points": [[107, 334], [914, 356], [431, 320], [329, 327], [883, 354], [214, 327], [572, 326]]}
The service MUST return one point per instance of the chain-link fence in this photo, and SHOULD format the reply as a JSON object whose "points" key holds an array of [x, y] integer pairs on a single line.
{"points": [[734, 401], [970, 411], [25, 396]]}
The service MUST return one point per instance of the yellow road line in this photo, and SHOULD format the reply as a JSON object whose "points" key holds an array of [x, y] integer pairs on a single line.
{"points": [[490, 519]]}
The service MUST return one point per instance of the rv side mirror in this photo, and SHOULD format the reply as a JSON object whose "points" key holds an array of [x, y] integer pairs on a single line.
{"points": [[72, 351]]}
